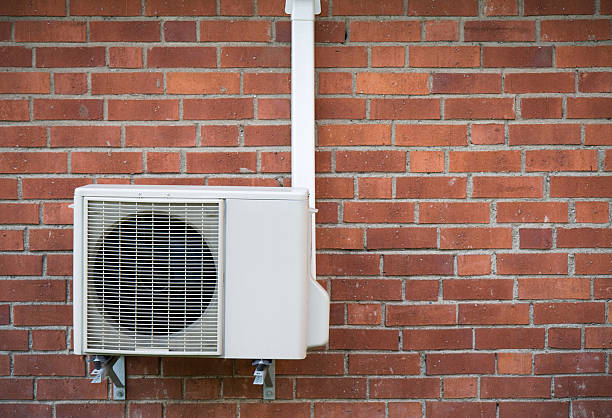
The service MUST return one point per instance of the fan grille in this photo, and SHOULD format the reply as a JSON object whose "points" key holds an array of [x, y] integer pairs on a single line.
{"points": [[152, 276]]}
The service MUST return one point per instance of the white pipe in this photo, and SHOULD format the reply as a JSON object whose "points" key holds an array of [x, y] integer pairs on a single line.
{"points": [[303, 145]]}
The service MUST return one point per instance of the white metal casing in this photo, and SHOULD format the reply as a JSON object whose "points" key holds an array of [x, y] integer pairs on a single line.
{"points": [[265, 260]]}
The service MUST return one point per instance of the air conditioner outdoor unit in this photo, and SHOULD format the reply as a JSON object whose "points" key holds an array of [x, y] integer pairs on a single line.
{"points": [[194, 271]]}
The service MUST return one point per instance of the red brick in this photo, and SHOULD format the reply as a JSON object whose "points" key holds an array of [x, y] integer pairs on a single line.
{"points": [[346, 409], [340, 238], [514, 363], [163, 162], [235, 31], [401, 238], [492, 289], [62, 109], [515, 387], [551, 288], [374, 187], [333, 83], [142, 365], [582, 386], [379, 212], [473, 264], [602, 288], [107, 163], [203, 83], [568, 312], [265, 83], [465, 83], [536, 238], [499, 31], [351, 135], [105, 8], [384, 364], [14, 340], [593, 186], [364, 314], [539, 83], [507, 187], [14, 110], [570, 363], [70, 57], [174, 366], [160, 136], [85, 136], [254, 135], [211, 109], [420, 315], [532, 263], [444, 56], [583, 56], [561, 160], [340, 108], [392, 83], [48, 365], [231, 8], [470, 238], [593, 263], [33, 290], [70, 83], [363, 339], [598, 337], [24, 315], [17, 389], [335, 388], [421, 290], [460, 387], [426, 161], [441, 30], [525, 56], [128, 83], [595, 82], [437, 339], [271, 410], [125, 57], [49, 31], [443, 8], [559, 134], [345, 56], [509, 338], [457, 212], [366, 289], [273, 108], [430, 135], [255, 57], [179, 31], [51, 188], [89, 410], [385, 31], [595, 408], [405, 109], [16, 56], [143, 110], [431, 187], [26, 410], [483, 161], [575, 30], [49, 340], [228, 162], [145, 410], [589, 107], [532, 212], [238, 181], [177, 57], [72, 389], [542, 108], [347, 264], [202, 388], [19, 213], [24, 83], [315, 364], [473, 363], [8, 188], [350, 8], [34, 8], [20, 265], [405, 388], [388, 56], [334, 187], [371, 161], [479, 108], [147, 388], [11, 240], [606, 7], [584, 238], [558, 7], [5, 31], [184, 8], [4, 320], [493, 314]]}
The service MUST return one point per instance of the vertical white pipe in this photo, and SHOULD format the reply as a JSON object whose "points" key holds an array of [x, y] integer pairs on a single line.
{"points": [[303, 145]]}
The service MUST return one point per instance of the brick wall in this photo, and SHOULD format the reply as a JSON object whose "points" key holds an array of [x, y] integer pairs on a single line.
{"points": [[463, 182]]}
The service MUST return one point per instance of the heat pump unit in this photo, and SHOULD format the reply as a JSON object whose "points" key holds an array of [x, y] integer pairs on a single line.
{"points": [[194, 271]]}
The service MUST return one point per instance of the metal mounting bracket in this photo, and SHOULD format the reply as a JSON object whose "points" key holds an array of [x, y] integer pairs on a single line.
{"points": [[114, 369], [264, 375]]}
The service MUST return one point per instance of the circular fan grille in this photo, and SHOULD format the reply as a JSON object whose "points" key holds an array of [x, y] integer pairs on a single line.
{"points": [[159, 275]]}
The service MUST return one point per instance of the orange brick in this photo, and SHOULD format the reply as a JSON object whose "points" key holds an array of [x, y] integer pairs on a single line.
{"points": [[475, 238], [374, 187], [514, 363], [335, 83], [441, 30], [24, 83], [479, 108], [487, 134], [561, 160], [235, 31], [203, 83], [430, 135], [388, 56], [392, 83], [354, 134], [484, 161]]}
